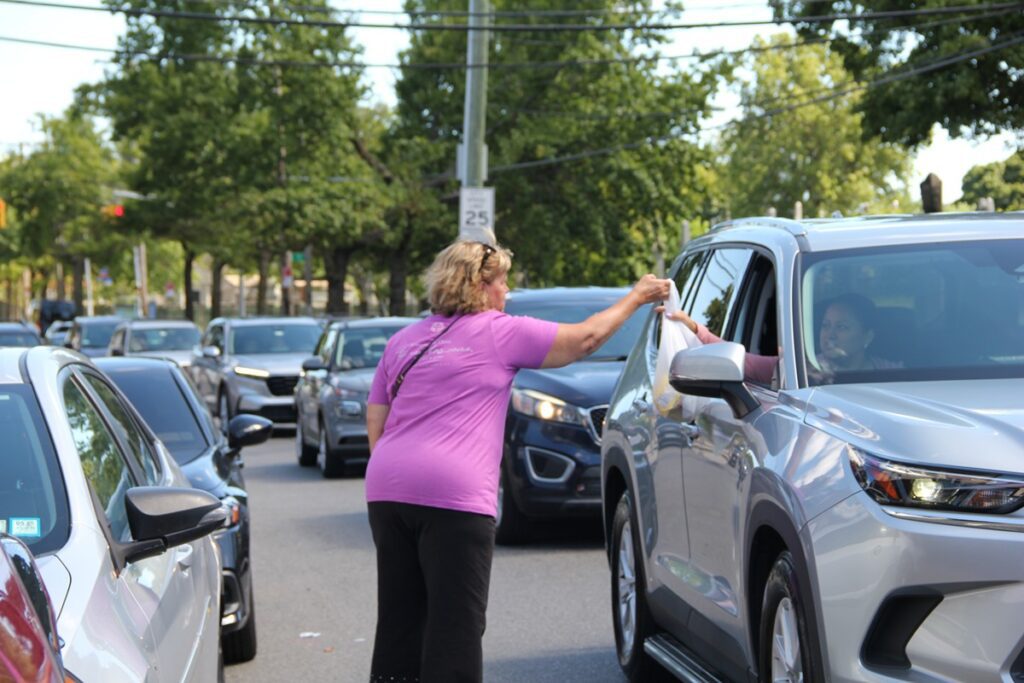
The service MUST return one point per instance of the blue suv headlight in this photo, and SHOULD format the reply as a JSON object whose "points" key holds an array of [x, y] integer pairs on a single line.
{"points": [[545, 407], [893, 483]]}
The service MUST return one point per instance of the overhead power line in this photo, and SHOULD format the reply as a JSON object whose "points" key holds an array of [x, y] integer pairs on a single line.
{"points": [[316, 23], [1017, 39]]}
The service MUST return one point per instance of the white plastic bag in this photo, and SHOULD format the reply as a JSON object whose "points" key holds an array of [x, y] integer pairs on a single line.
{"points": [[675, 337]]}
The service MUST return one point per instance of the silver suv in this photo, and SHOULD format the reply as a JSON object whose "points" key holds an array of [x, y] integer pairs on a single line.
{"points": [[838, 495]]}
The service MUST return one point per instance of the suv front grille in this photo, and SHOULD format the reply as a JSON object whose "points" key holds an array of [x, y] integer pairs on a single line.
{"points": [[596, 415], [282, 386]]}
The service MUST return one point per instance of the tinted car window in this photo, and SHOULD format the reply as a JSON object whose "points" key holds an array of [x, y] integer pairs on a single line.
{"points": [[926, 312], [18, 339], [362, 347], [273, 338], [127, 429], [620, 343], [156, 395], [104, 467], [164, 339], [718, 287], [215, 337], [96, 335], [33, 503]]}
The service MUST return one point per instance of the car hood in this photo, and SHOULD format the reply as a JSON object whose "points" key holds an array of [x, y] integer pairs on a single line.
{"points": [[357, 380], [584, 384], [179, 357], [274, 363], [207, 472], [977, 424]]}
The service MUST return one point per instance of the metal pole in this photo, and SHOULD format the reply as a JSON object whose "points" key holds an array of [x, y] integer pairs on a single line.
{"points": [[89, 309], [307, 274], [474, 171], [241, 293]]}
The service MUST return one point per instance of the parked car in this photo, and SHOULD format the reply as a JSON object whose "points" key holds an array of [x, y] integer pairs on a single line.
{"points": [[551, 465], [29, 646], [19, 333], [91, 334], [330, 397], [121, 539], [169, 403], [172, 339], [251, 365], [57, 332], [857, 515]]}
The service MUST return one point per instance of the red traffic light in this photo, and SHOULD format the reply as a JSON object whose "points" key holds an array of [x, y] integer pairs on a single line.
{"points": [[114, 210], [118, 210]]}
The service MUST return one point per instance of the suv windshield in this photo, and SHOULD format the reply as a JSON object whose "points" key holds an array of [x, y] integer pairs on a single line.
{"points": [[362, 347], [273, 338], [163, 339], [914, 313], [95, 335], [33, 503], [616, 348]]}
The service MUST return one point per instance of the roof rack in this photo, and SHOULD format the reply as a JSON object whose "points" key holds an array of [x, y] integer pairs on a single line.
{"points": [[791, 226]]}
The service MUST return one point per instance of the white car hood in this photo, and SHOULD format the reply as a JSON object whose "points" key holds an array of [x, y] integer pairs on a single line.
{"points": [[976, 424]]}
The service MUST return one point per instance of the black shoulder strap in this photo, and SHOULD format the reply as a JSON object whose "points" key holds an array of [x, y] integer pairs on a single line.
{"points": [[401, 376]]}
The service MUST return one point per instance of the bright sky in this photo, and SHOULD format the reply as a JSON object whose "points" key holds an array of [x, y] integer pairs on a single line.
{"points": [[37, 79]]}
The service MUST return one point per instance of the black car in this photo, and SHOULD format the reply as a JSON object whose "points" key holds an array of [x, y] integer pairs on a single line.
{"points": [[170, 404], [551, 466]]}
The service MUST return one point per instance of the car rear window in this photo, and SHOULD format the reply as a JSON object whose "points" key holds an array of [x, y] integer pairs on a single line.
{"points": [[33, 501], [569, 312], [159, 399]]}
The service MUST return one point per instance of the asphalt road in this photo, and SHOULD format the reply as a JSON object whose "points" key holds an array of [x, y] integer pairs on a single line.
{"points": [[548, 619]]}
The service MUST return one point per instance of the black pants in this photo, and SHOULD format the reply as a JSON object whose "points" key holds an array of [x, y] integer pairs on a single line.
{"points": [[433, 572]]}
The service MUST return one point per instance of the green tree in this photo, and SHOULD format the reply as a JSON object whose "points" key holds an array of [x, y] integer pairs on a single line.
{"points": [[1003, 181], [787, 147], [979, 94]]}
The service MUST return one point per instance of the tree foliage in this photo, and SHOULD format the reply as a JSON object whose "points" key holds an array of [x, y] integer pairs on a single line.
{"points": [[1003, 181]]}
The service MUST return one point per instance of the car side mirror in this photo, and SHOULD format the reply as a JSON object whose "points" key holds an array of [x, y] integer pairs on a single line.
{"points": [[714, 371], [211, 352], [248, 430], [162, 517], [116, 352], [313, 364], [25, 566]]}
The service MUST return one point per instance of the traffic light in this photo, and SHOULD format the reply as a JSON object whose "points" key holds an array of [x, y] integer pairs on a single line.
{"points": [[114, 210], [3, 214]]}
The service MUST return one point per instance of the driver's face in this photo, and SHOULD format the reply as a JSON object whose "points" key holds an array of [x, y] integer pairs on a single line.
{"points": [[843, 338]]}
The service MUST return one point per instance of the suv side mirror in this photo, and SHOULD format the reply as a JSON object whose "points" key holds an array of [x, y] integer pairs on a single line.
{"points": [[248, 430], [313, 364], [210, 352], [161, 517], [715, 371]]}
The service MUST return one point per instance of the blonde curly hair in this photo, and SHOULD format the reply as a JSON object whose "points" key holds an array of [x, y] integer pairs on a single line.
{"points": [[456, 277]]}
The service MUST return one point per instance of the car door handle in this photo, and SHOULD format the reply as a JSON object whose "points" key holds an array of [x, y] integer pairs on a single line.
{"points": [[185, 556], [690, 430], [641, 406]]}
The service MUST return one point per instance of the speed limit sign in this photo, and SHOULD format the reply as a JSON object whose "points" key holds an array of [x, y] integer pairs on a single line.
{"points": [[476, 213]]}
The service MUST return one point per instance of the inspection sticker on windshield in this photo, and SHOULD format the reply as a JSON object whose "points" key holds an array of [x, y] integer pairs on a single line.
{"points": [[25, 526]]}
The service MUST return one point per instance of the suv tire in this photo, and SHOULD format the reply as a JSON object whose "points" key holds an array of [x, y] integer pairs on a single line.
{"points": [[331, 464], [511, 526], [784, 643], [304, 453], [240, 646]]}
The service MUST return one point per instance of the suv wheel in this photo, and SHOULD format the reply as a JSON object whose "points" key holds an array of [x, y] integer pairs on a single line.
{"points": [[633, 623], [305, 454], [240, 646], [784, 644], [331, 465], [511, 525]]}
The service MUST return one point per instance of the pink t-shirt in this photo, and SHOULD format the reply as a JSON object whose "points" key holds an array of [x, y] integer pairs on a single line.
{"points": [[442, 441]]}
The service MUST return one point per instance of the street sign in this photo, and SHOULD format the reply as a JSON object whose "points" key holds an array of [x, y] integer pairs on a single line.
{"points": [[476, 214]]}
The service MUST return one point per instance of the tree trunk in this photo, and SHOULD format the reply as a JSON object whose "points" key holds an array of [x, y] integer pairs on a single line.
{"points": [[336, 265], [215, 288], [59, 276], [190, 256], [77, 286], [286, 291], [261, 287], [400, 272]]}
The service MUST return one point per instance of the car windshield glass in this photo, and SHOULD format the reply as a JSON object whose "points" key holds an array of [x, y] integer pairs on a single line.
{"points": [[33, 503], [18, 339], [163, 339], [616, 348], [362, 347], [165, 409], [95, 335], [274, 338], [914, 313]]}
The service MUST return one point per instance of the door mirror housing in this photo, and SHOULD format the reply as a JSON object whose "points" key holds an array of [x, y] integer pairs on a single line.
{"points": [[162, 517], [116, 352], [313, 364], [248, 430], [714, 371], [210, 352]]}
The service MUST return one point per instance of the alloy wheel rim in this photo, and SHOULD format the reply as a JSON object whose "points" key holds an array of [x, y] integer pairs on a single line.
{"points": [[626, 581], [787, 665]]}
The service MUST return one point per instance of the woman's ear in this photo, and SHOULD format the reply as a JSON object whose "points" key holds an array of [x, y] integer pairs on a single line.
{"points": [[870, 338]]}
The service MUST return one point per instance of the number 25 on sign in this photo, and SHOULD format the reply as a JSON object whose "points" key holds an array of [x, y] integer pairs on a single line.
{"points": [[476, 213]]}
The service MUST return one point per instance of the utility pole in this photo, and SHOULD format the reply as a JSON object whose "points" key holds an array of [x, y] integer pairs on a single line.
{"points": [[476, 203]]}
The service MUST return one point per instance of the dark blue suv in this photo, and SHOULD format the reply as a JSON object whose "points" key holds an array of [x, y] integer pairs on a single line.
{"points": [[551, 467]]}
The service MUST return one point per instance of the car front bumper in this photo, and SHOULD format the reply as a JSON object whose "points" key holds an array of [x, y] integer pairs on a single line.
{"points": [[236, 578], [911, 595]]}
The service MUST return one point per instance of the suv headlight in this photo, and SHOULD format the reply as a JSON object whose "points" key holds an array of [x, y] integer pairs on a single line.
{"points": [[893, 483], [540, 405], [255, 373]]}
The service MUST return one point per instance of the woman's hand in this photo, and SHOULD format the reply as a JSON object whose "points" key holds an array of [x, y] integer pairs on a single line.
{"points": [[650, 289], [679, 316]]}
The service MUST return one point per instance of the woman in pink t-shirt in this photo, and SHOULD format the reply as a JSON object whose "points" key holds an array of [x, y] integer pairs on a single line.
{"points": [[435, 421]]}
